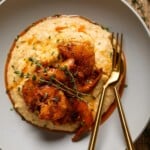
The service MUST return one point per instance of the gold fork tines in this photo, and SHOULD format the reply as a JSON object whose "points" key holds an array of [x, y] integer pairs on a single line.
{"points": [[114, 77]]}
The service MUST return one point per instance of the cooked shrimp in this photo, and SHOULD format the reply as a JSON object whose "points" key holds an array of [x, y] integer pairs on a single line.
{"points": [[50, 102], [69, 63], [89, 83], [56, 104], [82, 53], [86, 118], [30, 93]]}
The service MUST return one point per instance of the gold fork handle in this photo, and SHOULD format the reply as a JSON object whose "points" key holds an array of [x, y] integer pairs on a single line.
{"points": [[97, 121], [129, 142]]}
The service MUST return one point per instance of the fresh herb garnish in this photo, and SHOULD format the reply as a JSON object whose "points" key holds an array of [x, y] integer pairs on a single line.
{"points": [[69, 74], [52, 53], [125, 86], [18, 89], [34, 61], [20, 73], [73, 92], [61, 86], [105, 28], [11, 109], [33, 77]]}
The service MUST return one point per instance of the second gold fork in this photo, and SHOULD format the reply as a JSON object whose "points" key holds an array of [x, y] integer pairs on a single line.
{"points": [[114, 77], [121, 69]]}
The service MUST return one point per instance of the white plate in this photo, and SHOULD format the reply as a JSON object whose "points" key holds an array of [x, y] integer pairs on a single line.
{"points": [[16, 15]]}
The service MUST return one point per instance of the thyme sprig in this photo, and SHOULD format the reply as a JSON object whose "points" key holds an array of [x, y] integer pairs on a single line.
{"points": [[75, 91], [69, 73], [59, 85], [54, 81]]}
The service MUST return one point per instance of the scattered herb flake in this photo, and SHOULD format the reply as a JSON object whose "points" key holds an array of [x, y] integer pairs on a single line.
{"points": [[18, 89], [34, 77], [34, 61], [105, 28], [27, 75], [7, 90], [20, 74], [11, 109], [125, 86]]}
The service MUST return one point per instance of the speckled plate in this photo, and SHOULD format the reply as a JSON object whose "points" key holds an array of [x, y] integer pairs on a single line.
{"points": [[15, 15]]}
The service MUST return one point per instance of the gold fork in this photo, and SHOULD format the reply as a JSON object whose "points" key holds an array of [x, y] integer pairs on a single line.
{"points": [[120, 69], [114, 77]]}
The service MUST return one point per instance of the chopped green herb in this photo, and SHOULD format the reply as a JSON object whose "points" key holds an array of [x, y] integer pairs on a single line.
{"points": [[11, 109], [45, 70], [49, 37], [58, 40], [13, 66], [34, 77], [111, 55], [7, 90], [52, 53], [27, 75], [20, 74], [34, 61], [105, 28], [125, 86], [19, 89]]}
